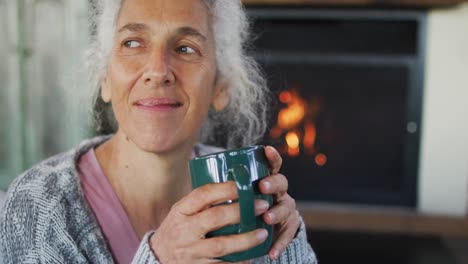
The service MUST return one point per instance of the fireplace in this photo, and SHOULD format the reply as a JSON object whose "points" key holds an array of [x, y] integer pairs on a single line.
{"points": [[349, 86]]}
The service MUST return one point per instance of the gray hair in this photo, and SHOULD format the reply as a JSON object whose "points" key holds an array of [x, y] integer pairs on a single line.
{"points": [[244, 120]]}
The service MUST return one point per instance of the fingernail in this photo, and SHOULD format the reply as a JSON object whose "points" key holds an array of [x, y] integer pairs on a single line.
{"points": [[275, 253], [261, 205], [262, 234], [272, 217], [271, 148], [266, 185]]}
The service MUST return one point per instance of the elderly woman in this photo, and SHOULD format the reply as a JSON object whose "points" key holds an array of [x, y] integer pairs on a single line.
{"points": [[168, 74]]}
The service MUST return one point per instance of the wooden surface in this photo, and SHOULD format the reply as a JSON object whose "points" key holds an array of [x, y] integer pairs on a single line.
{"points": [[380, 219], [415, 3]]}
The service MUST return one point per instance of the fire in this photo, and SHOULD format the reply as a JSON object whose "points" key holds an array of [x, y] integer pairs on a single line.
{"points": [[296, 124], [292, 139], [293, 152], [294, 113], [285, 97], [310, 135], [320, 159]]}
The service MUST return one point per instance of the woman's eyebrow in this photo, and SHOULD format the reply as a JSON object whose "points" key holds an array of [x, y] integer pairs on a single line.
{"points": [[190, 31], [182, 31], [133, 27]]}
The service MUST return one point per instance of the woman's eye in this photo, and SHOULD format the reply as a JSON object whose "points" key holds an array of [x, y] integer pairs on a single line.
{"points": [[186, 49], [132, 44]]}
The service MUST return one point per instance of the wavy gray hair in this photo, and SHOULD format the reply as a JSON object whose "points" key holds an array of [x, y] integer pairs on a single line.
{"points": [[244, 120]]}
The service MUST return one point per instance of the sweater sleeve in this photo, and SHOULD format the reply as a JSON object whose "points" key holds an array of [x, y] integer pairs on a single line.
{"points": [[298, 251], [144, 253]]}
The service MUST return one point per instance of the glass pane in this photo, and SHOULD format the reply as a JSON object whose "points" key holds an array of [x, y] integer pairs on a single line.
{"points": [[45, 45], [10, 114], [40, 115], [55, 38]]}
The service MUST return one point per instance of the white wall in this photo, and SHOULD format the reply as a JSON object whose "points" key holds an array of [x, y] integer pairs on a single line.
{"points": [[443, 187]]}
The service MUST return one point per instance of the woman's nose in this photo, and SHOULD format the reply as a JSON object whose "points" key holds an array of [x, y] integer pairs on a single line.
{"points": [[158, 71]]}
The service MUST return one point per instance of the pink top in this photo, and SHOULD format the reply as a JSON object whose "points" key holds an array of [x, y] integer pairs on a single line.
{"points": [[115, 225]]}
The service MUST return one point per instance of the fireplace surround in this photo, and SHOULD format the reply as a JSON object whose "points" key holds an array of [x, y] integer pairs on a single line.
{"points": [[349, 85]]}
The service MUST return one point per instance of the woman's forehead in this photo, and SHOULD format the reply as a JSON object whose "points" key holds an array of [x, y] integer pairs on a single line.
{"points": [[154, 13]]}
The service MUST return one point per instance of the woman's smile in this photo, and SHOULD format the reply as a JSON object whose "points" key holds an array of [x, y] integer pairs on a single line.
{"points": [[158, 104]]}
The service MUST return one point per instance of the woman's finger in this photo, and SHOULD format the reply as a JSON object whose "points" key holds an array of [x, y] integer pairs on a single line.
{"points": [[281, 212], [216, 247], [274, 158], [285, 235], [222, 215], [274, 184], [206, 196]]}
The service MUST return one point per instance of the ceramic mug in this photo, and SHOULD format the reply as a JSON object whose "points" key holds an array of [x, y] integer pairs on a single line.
{"points": [[246, 166]]}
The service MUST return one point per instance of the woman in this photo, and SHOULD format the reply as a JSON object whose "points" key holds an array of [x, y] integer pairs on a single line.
{"points": [[172, 72]]}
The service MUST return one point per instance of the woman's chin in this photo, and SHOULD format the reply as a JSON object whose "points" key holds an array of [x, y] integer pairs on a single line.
{"points": [[157, 141], [157, 145]]}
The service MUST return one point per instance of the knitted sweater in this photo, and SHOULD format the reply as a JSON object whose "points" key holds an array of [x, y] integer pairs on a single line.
{"points": [[46, 219]]}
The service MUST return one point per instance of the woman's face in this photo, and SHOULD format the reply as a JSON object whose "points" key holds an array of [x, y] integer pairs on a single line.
{"points": [[161, 77]]}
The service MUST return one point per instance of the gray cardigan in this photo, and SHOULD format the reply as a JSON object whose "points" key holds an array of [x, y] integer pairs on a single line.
{"points": [[46, 219]]}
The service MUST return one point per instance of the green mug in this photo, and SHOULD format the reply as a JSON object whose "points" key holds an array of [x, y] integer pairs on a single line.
{"points": [[246, 166]]}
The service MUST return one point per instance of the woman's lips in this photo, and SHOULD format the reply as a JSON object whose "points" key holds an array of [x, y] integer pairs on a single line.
{"points": [[158, 104]]}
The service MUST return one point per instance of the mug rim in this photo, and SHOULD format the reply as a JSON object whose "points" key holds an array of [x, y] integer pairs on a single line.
{"points": [[243, 150]]}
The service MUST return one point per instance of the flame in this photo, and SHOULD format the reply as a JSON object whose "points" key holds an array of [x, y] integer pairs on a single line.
{"points": [[321, 159], [296, 123], [293, 141], [294, 113], [285, 97], [293, 152], [310, 135]]}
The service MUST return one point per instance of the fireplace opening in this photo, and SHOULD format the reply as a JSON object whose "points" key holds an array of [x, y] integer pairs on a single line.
{"points": [[349, 88]]}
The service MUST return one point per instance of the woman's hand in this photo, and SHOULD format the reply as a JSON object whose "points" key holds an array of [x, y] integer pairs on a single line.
{"points": [[181, 236], [283, 214]]}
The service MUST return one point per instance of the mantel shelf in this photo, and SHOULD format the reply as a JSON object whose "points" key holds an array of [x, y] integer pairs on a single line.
{"points": [[370, 3], [319, 216]]}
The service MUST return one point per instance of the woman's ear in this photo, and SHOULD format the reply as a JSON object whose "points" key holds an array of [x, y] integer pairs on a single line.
{"points": [[221, 96], [105, 90]]}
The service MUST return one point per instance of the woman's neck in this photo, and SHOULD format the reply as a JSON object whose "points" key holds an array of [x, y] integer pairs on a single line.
{"points": [[146, 184]]}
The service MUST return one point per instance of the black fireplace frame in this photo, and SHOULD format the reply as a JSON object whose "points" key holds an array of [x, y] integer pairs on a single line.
{"points": [[414, 63]]}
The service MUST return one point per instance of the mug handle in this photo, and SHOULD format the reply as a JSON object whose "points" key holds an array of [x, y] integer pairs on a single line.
{"points": [[241, 176]]}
